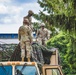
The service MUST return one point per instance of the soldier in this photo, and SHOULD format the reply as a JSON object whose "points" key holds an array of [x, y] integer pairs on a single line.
{"points": [[42, 34], [25, 39], [30, 13]]}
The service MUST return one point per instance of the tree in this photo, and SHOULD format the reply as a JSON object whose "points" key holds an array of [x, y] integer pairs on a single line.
{"points": [[62, 15], [63, 44]]}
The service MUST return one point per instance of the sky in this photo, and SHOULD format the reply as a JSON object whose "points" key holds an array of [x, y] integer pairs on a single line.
{"points": [[12, 13]]}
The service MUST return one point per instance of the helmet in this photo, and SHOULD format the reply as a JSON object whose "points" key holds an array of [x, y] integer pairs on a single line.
{"points": [[42, 24], [30, 12]]}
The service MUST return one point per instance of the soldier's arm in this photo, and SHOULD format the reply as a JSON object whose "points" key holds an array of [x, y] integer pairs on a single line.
{"points": [[47, 34], [30, 21], [30, 37], [19, 36], [38, 31]]}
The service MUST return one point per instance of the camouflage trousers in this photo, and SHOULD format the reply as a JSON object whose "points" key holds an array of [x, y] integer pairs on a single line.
{"points": [[26, 49]]}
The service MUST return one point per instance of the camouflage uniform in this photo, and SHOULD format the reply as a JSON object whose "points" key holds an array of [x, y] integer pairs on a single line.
{"points": [[42, 35], [25, 39], [30, 13]]}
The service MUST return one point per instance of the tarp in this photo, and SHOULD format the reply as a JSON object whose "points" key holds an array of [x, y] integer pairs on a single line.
{"points": [[39, 54]]}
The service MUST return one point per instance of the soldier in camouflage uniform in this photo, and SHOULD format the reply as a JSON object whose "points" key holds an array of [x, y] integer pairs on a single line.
{"points": [[25, 39], [42, 34], [30, 13]]}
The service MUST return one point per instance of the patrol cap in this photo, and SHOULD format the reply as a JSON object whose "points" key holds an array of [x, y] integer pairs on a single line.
{"points": [[30, 12], [26, 20], [42, 24]]}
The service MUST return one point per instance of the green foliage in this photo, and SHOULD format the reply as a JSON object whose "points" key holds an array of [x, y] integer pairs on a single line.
{"points": [[64, 43], [35, 26], [71, 53], [59, 41], [62, 14]]}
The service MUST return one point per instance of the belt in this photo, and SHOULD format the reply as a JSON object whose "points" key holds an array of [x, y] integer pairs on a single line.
{"points": [[27, 41]]}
